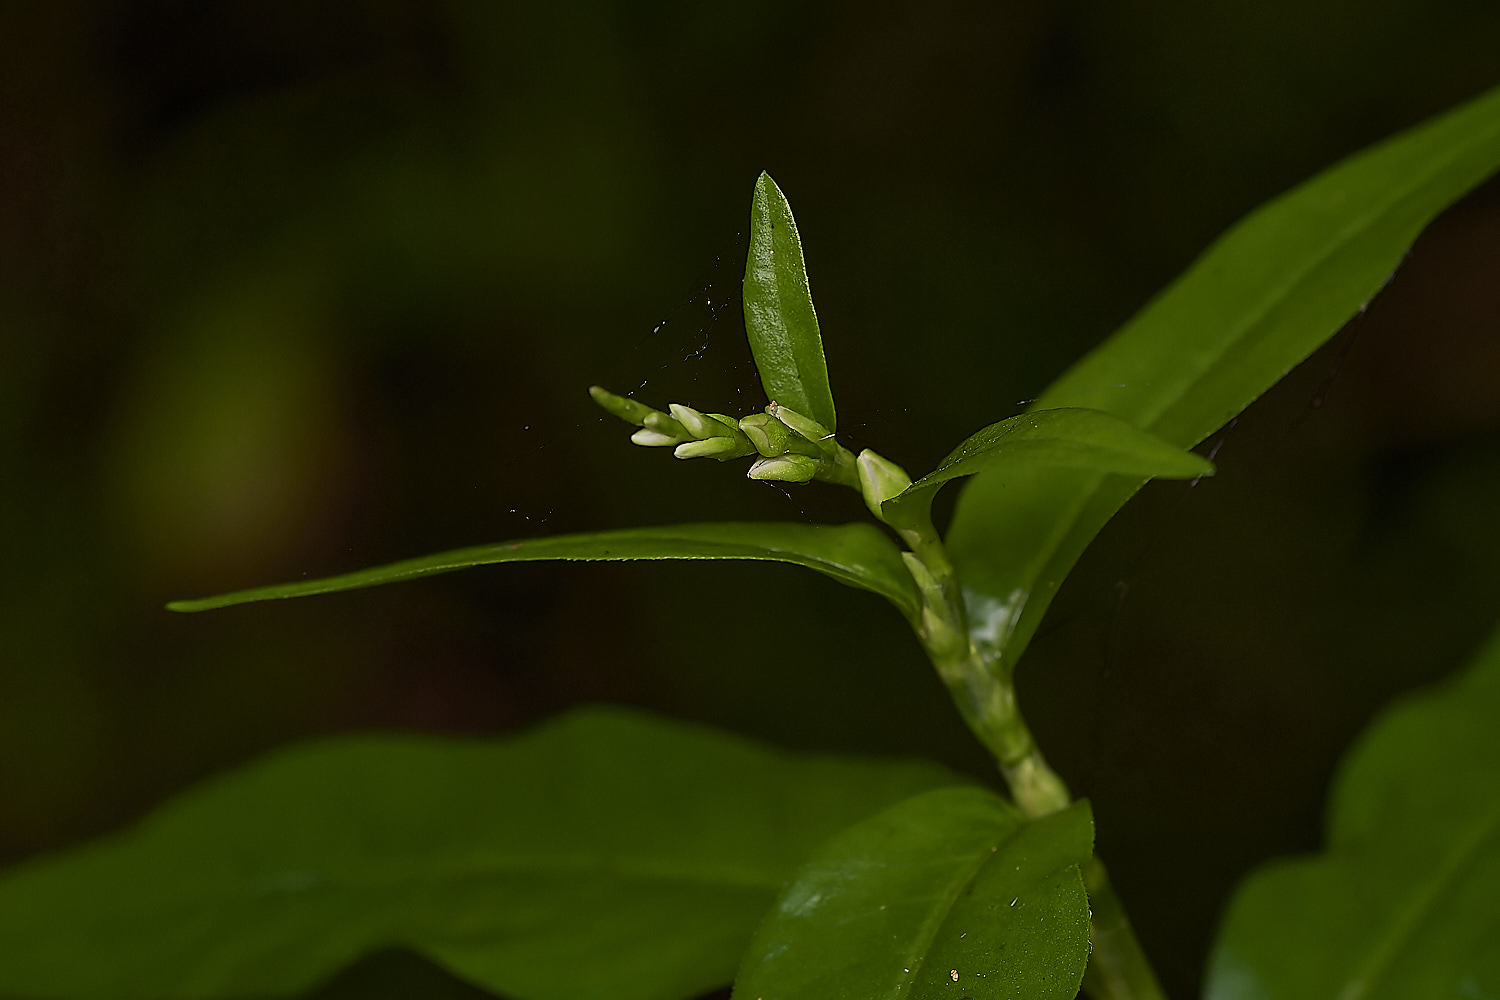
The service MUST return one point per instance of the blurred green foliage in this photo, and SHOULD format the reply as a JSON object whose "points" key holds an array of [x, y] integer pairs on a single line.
{"points": [[291, 288]]}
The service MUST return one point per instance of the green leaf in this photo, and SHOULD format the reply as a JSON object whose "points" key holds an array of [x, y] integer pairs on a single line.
{"points": [[605, 854], [1258, 302], [1406, 900], [858, 555], [951, 883], [779, 316], [1069, 438]]}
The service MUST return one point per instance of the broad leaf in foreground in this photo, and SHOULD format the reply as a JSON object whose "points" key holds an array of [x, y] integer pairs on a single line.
{"points": [[604, 854], [1406, 901], [952, 894], [779, 317], [1071, 437], [858, 555], [1254, 305]]}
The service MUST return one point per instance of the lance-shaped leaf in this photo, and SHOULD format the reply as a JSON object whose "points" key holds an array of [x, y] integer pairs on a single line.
{"points": [[1406, 901], [605, 854], [854, 554], [779, 316], [950, 894], [1258, 301], [1072, 438]]}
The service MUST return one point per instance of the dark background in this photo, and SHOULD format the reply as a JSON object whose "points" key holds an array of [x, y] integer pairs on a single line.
{"points": [[288, 288]]}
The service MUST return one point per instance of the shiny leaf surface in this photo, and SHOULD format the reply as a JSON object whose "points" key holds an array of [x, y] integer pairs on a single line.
{"points": [[1406, 900], [1070, 438], [1256, 303], [858, 555], [949, 894], [605, 854], [779, 316]]}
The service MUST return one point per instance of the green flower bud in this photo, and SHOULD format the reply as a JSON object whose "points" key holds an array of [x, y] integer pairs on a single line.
{"points": [[648, 438], [717, 436], [879, 480], [809, 428], [766, 433], [771, 437], [785, 469], [697, 424], [722, 448], [666, 426], [626, 409]]}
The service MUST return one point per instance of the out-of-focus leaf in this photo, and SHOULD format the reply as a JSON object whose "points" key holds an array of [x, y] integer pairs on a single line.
{"points": [[858, 555], [604, 854], [1406, 900], [1258, 301], [951, 894], [779, 316], [1070, 438]]}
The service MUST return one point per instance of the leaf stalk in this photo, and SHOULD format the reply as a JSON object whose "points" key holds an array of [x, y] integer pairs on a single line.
{"points": [[984, 692]]}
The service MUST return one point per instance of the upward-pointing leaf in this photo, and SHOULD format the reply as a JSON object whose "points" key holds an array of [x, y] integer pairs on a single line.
{"points": [[606, 854], [1258, 301], [1072, 438], [779, 316], [857, 555], [1406, 901]]}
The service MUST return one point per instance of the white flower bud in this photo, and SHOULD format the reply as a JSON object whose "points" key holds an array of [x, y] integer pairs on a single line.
{"points": [[722, 448], [648, 438]]}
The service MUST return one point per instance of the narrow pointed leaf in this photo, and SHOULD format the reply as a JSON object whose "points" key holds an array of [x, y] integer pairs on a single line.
{"points": [[950, 894], [854, 554], [1255, 304], [779, 316], [1406, 900], [605, 854], [1072, 438]]}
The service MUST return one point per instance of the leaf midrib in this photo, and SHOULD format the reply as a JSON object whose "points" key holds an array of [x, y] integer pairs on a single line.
{"points": [[1265, 307], [1269, 303], [1388, 949], [872, 577], [930, 929]]}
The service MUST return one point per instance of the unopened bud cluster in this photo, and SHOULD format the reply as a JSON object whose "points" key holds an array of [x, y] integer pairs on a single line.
{"points": [[788, 447], [793, 448], [689, 433]]}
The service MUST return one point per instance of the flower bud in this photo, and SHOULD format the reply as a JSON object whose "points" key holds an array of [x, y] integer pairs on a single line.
{"points": [[697, 424], [766, 433], [732, 424], [771, 437], [879, 480], [666, 426], [626, 409], [648, 438], [809, 428], [722, 448], [785, 469]]}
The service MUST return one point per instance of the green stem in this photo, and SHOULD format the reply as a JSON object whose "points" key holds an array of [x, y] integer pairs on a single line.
{"points": [[1118, 968], [986, 698]]}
